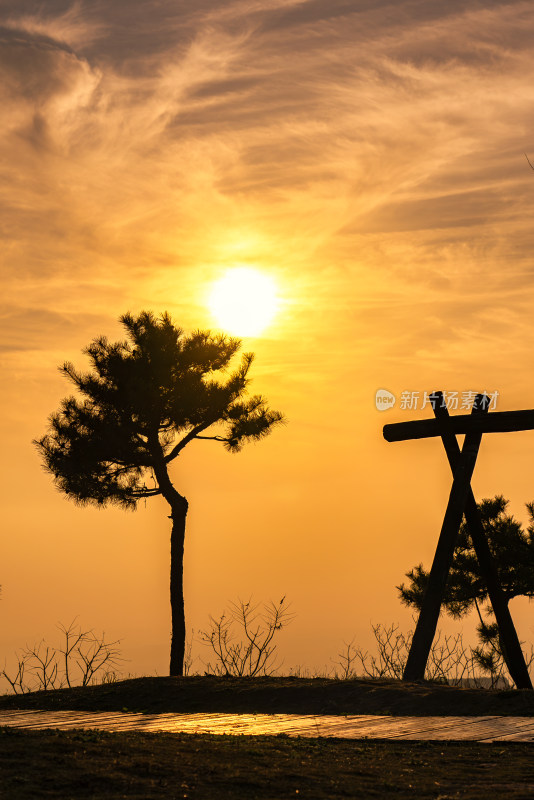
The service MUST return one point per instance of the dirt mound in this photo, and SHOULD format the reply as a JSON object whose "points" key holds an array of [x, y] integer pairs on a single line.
{"points": [[280, 695]]}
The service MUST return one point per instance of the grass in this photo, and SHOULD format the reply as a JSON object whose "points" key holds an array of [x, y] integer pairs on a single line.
{"points": [[89, 764], [109, 766]]}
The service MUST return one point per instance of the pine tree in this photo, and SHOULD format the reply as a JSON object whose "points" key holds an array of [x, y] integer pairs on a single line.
{"points": [[143, 401], [512, 548]]}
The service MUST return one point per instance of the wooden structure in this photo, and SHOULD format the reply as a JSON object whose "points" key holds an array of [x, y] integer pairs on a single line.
{"points": [[462, 501]]}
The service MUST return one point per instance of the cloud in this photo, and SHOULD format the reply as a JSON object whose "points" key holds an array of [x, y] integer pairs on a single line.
{"points": [[45, 87], [72, 26], [24, 328], [339, 139]]}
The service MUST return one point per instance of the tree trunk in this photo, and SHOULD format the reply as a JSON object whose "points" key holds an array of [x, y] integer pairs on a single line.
{"points": [[178, 516], [179, 507]]}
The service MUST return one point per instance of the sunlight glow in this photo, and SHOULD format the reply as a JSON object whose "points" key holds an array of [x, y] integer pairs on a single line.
{"points": [[244, 301]]}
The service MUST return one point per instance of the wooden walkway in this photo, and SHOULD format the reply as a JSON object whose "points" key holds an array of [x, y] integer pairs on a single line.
{"points": [[480, 729]]}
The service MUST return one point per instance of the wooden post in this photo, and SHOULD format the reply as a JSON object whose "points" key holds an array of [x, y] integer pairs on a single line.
{"points": [[428, 618], [513, 655]]}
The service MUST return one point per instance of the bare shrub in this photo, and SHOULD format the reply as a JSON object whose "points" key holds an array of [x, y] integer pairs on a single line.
{"points": [[253, 653], [81, 659], [388, 662], [450, 660], [189, 660]]}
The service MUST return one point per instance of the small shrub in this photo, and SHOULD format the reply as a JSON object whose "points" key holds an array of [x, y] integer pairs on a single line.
{"points": [[449, 661], [83, 658], [254, 653]]}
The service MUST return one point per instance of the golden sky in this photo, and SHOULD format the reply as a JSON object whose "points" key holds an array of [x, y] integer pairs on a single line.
{"points": [[367, 156]]}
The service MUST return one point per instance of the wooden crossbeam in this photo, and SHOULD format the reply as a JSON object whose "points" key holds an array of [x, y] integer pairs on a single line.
{"points": [[496, 422]]}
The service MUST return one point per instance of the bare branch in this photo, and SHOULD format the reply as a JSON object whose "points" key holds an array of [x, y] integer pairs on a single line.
{"points": [[450, 661], [53, 667], [193, 433], [255, 654]]}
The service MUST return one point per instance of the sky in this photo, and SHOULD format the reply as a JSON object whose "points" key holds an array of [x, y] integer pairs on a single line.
{"points": [[369, 157]]}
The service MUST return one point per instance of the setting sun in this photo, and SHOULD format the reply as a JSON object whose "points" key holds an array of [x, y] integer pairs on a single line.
{"points": [[244, 301]]}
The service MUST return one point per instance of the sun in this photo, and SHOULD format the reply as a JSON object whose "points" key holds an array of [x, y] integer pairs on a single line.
{"points": [[244, 301]]}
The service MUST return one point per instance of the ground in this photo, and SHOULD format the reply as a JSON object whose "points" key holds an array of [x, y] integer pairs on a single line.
{"points": [[90, 764], [281, 695]]}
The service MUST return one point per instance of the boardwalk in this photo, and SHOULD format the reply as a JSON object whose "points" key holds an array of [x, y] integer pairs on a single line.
{"points": [[480, 729]]}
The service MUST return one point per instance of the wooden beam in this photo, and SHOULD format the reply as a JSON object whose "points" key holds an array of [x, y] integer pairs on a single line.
{"points": [[496, 422]]}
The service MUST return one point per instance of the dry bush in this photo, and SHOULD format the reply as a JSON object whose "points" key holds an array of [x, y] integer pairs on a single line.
{"points": [[253, 653], [81, 659], [449, 661]]}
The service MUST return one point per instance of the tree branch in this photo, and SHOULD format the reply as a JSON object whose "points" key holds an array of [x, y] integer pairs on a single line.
{"points": [[146, 493], [193, 434]]}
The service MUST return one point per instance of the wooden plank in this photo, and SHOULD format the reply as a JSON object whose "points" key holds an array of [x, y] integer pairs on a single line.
{"points": [[496, 422], [369, 726]]}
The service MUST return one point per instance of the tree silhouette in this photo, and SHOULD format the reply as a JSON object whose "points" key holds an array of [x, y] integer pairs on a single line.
{"points": [[512, 548], [144, 400]]}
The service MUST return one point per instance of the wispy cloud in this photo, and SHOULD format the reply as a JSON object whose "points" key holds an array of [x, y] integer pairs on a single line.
{"points": [[73, 26], [319, 133]]}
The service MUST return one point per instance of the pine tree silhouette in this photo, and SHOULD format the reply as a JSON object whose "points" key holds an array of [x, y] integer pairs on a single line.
{"points": [[144, 400]]}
